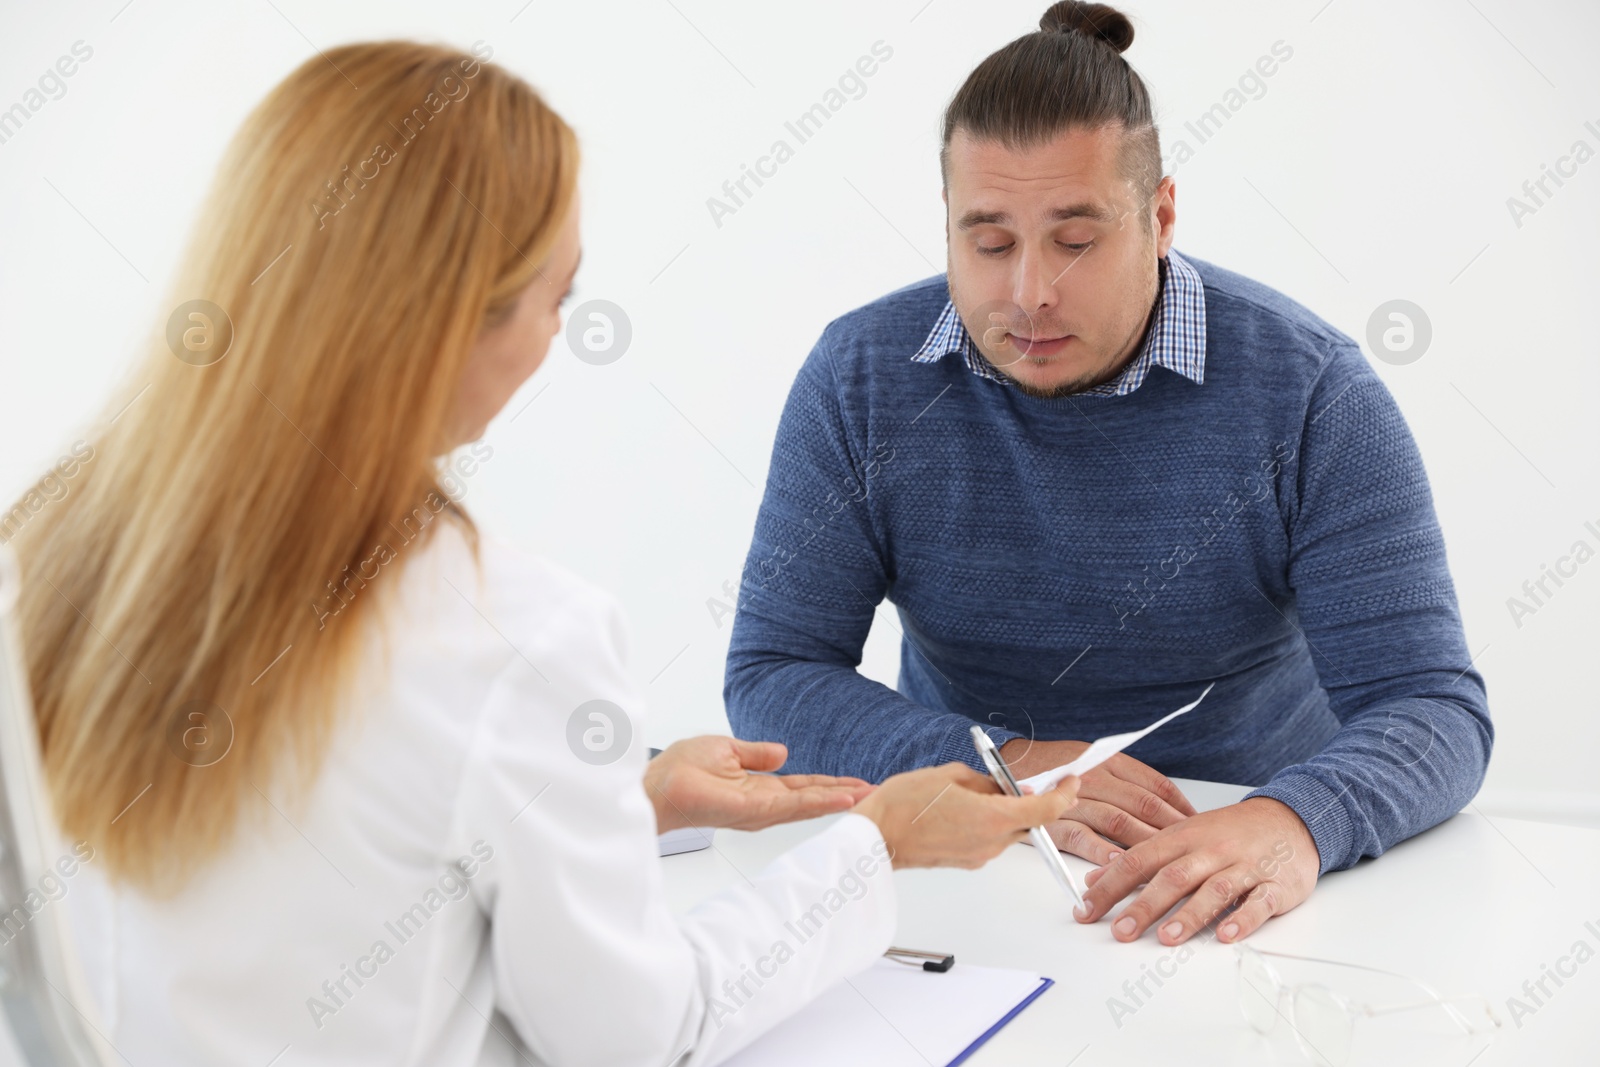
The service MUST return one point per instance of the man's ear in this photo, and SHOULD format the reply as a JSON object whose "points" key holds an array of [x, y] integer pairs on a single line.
{"points": [[1166, 212]]}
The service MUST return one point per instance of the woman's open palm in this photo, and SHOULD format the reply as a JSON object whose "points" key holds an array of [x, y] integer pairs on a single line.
{"points": [[717, 781]]}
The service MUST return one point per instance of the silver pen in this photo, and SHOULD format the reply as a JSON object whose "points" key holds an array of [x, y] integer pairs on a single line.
{"points": [[1041, 839]]}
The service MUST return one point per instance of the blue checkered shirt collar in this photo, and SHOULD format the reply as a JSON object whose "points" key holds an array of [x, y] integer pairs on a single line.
{"points": [[1176, 339]]}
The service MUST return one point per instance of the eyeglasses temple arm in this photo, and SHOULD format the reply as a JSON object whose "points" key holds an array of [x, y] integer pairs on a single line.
{"points": [[1449, 1007]]}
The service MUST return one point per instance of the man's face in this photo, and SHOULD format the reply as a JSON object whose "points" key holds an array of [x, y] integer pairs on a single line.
{"points": [[1053, 256]]}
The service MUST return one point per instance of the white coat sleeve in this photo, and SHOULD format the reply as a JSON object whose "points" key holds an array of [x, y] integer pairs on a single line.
{"points": [[589, 963]]}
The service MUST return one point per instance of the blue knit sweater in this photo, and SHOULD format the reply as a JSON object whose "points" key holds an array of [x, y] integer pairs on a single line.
{"points": [[1070, 568]]}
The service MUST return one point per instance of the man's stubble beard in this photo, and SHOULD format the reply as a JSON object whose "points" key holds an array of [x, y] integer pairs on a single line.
{"points": [[1054, 392]]}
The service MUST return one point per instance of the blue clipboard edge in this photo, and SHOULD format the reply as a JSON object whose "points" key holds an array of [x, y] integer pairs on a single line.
{"points": [[1044, 983]]}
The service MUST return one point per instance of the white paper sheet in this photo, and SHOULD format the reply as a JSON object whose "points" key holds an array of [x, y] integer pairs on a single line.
{"points": [[893, 1015], [1103, 750]]}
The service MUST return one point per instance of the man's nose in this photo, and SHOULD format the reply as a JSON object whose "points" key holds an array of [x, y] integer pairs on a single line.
{"points": [[1033, 288]]}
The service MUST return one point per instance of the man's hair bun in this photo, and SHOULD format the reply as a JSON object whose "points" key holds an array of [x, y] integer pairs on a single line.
{"points": [[1069, 74], [1099, 21]]}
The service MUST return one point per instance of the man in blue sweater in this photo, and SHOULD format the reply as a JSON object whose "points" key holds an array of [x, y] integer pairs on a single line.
{"points": [[1094, 476]]}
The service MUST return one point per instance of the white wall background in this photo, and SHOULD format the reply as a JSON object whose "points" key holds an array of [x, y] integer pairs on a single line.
{"points": [[1375, 165]]}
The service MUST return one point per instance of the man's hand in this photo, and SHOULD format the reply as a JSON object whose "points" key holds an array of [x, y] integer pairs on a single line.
{"points": [[707, 781], [1256, 853], [1122, 799]]}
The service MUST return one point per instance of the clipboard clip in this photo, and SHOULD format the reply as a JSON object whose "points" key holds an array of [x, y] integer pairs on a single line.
{"points": [[928, 961]]}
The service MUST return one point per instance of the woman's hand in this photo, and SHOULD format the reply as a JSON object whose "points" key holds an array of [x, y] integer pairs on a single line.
{"points": [[952, 816], [707, 781]]}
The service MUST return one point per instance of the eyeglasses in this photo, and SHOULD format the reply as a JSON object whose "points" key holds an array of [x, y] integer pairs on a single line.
{"points": [[1324, 1021]]}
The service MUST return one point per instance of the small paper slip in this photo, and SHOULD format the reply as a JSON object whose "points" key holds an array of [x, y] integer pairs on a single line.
{"points": [[891, 1015], [685, 839], [1103, 750]]}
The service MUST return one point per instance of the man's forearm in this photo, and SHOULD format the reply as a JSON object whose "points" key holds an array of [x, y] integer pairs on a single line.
{"points": [[1392, 771], [851, 724]]}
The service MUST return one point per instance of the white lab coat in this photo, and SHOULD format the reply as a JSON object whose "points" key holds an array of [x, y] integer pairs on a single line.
{"points": [[338, 932]]}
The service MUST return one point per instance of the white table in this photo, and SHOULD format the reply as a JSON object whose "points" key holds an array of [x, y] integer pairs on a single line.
{"points": [[1472, 907]]}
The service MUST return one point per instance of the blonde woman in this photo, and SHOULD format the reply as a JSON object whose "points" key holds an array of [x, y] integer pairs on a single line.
{"points": [[357, 785]]}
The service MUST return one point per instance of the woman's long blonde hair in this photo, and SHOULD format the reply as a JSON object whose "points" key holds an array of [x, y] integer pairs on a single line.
{"points": [[382, 204]]}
